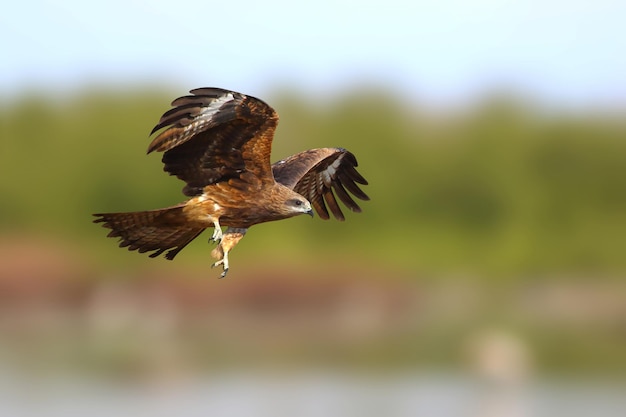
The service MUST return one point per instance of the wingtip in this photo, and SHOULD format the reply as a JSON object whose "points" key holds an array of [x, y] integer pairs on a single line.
{"points": [[153, 145], [159, 143]]}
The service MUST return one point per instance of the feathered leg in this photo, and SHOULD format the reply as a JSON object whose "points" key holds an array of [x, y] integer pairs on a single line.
{"points": [[226, 244], [217, 233]]}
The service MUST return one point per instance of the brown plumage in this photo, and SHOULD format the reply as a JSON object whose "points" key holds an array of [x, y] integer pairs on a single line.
{"points": [[219, 143]]}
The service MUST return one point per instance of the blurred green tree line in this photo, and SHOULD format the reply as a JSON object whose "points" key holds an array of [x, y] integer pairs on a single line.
{"points": [[498, 189]]}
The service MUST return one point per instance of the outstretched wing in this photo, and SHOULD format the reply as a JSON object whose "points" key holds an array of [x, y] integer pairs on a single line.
{"points": [[317, 173], [216, 135]]}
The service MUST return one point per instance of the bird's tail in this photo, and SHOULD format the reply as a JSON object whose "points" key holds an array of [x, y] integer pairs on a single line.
{"points": [[154, 230]]}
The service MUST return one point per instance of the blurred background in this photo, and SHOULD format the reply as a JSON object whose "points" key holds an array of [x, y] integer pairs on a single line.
{"points": [[484, 278]]}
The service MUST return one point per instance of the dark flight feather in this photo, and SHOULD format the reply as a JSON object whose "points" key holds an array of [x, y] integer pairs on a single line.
{"points": [[214, 136], [317, 173]]}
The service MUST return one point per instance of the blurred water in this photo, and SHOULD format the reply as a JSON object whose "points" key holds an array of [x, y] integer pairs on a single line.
{"points": [[304, 394]]}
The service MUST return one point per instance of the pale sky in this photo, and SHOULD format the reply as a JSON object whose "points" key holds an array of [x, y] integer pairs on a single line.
{"points": [[564, 51]]}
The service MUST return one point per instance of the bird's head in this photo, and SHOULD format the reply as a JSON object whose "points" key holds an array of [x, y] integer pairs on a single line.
{"points": [[299, 205], [286, 203]]}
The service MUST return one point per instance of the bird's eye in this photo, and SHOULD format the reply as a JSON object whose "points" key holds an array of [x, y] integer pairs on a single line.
{"points": [[295, 202]]}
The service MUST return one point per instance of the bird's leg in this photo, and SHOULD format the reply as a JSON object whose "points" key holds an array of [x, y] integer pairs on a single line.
{"points": [[224, 262], [225, 245], [217, 233]]}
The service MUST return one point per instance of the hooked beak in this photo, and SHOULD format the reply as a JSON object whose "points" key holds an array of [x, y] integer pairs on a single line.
{"points": [[310, 213]]}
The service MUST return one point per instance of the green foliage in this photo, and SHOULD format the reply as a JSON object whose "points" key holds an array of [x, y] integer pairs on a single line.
{"points": [[501, 190]]}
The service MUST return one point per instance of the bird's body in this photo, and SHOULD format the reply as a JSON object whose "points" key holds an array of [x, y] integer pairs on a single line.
{"points": [[219, 143], [215, 202]]}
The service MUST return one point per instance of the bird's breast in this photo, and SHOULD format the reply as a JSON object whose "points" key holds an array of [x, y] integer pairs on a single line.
{"points": [[229, 210]]}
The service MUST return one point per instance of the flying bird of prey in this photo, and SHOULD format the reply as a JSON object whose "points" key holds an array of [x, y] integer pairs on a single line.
{"points": [[219, 142]]}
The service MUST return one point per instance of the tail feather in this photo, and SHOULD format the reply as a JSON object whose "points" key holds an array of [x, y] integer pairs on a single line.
{"points": [[155, 230]]}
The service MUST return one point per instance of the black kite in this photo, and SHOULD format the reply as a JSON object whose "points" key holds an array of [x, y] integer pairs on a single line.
{"points": [[219, 143]]}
